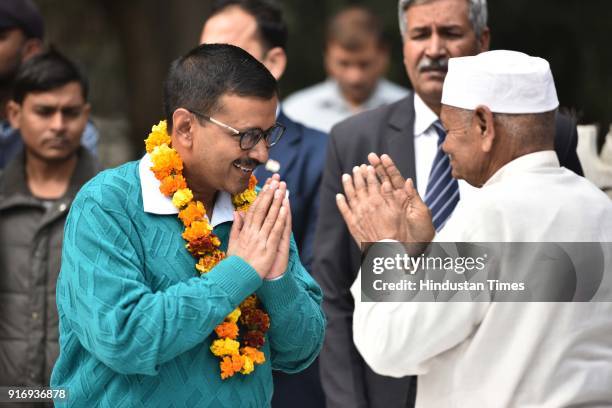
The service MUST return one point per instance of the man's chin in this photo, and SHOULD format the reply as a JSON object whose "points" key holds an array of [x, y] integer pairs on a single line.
{"points": [[237, 186]]}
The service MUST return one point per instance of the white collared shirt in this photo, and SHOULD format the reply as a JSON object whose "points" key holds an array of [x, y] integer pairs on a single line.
{"points": [[154, 202], [504, 354], [321, 106], [426, 147]]}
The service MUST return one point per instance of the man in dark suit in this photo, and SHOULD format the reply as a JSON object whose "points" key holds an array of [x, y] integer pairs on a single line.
{"points": [[257, 26], [408, 131]]}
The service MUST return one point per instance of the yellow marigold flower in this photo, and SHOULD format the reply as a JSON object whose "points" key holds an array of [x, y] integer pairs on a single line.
{"points": [[196, 230], [234, 316], [166, 161], [182, 197], [171, 184], [227, 330], [158, 136], [247, 366], [224, 347], [245, 198], [193, 212], [257, 356]]}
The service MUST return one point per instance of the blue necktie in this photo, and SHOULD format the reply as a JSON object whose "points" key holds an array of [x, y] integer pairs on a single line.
{"points": [[442, 192]]}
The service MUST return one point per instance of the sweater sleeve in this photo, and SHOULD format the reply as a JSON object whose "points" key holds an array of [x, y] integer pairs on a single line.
{"points": [[297, 322], [106, 300]]}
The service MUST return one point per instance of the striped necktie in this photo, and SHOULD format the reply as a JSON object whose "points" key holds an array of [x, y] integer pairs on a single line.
{"points": [[442, 192]]}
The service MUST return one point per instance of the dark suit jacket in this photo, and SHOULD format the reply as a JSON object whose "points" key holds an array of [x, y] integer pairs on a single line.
{"points": [[301, 154], [347, 380]]}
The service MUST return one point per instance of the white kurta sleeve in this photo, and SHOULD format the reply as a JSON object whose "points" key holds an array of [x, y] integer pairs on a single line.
{"points": [[400, 339]]}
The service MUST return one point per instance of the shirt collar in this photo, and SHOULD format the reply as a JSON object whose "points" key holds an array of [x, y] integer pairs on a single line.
{"points": [[525, 163], [333, 98], [154, 202], [424, 117]]}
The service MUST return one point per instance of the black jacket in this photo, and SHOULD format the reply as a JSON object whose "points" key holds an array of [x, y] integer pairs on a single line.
{"points": [[30, 251]]}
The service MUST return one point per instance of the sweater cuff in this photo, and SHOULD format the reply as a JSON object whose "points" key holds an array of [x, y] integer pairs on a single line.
{"points": [[236, 277], [277, 294]]}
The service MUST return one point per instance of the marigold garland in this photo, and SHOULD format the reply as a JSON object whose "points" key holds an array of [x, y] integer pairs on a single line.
{"points": [[204, 245]]}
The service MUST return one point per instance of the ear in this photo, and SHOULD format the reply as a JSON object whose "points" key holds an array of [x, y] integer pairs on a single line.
{"points": [[13, 114], [182, 129], [31, 47], [276, 62], [485, 39], [483, 124]]}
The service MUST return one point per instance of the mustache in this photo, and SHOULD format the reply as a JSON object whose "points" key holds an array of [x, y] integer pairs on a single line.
{"points": [[249, 163], [429, 64], [61, 137]]}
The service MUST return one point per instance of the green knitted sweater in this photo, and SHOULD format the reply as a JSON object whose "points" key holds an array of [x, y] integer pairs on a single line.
{"points": [[136, 321]]}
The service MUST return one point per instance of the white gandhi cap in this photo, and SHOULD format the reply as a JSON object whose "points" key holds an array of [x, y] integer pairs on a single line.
{"points": [[504, 81]]}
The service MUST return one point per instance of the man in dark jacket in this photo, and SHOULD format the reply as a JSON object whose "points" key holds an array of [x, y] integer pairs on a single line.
{"points": [[50, 109]]}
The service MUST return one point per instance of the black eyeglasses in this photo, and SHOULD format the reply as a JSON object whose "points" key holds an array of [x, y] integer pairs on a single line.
{"points": [[249, 138]]}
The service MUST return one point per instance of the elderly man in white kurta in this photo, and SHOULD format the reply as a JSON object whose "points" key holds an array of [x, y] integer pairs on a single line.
{"points": [[498, 110]]}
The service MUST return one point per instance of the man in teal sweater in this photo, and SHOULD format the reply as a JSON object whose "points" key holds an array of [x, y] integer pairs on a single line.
{"points": [[136, 318]]}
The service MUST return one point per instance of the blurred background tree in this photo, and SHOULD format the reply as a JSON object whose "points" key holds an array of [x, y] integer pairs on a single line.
{"points": [[125, 47]]}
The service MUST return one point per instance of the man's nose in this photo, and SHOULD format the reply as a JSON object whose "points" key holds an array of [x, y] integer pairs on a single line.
{"points": [[436, 47], [58, 121], [354, 75], [259, 152]]}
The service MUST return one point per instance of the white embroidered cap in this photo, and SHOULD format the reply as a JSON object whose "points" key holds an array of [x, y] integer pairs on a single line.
{"points": [[504, 81]]}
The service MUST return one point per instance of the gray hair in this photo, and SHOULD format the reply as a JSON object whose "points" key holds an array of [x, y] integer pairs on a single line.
{"points": [[477, 14]]}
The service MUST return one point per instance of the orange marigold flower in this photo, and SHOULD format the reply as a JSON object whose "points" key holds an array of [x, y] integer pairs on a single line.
{"points": [[166, 161], [252, 182], [196, 230], [231, 365], [257, 356], [193, 212], [227, 330], [172, 184]]}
